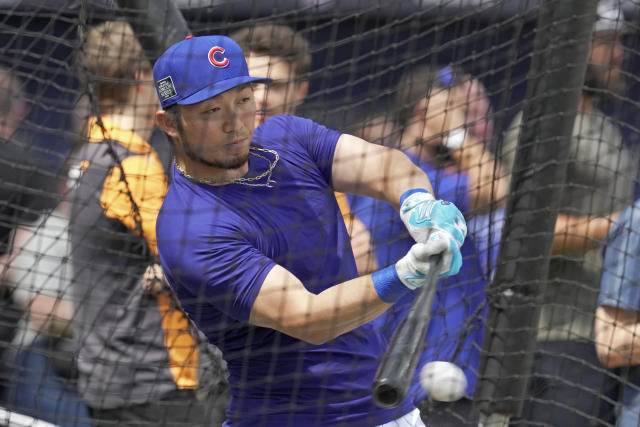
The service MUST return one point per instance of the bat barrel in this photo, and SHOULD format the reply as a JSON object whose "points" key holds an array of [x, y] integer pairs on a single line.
{"points": [[387, 395]]}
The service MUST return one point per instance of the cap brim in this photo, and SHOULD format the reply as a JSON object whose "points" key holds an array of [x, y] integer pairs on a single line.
{"points": [[220, 87]]}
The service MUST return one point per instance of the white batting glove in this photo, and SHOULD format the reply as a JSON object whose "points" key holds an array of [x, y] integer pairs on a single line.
{"points": [[413, 268]]}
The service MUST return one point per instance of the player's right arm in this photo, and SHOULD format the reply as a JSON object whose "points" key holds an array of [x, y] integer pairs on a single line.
{"points": [[284, 304], [617, 336]]}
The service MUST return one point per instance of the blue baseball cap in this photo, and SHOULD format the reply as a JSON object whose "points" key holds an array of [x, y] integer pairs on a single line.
{"points": [[199, 68]]}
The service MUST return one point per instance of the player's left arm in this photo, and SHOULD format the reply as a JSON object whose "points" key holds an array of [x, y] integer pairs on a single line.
{"points": [[387, 174], [371, 170]]}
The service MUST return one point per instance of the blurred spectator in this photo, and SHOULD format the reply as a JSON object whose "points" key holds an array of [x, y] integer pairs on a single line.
{"points": [[617, 322], [600, 180], [40, 368], [421, 127], [28, 185], [431, 107], [282, 54], [139, 359]]}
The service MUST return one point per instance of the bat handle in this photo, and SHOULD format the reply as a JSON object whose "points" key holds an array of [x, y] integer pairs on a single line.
{"points": [[394, 375]]}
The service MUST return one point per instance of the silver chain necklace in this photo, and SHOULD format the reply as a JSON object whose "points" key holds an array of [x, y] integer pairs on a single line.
{"points": [[244, 181]]}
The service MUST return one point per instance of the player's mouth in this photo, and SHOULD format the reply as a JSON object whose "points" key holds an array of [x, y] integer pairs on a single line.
{"points": [[238, 141]]}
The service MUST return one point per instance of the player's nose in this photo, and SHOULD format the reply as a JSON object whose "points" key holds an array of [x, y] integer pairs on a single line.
{"points": [[232, 122]]}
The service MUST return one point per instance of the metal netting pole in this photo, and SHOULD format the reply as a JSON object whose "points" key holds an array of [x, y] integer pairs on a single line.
{"points": [[555, 80]]}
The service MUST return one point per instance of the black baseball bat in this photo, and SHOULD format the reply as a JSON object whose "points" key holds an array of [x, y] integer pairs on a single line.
{"points": [[393, 378]]}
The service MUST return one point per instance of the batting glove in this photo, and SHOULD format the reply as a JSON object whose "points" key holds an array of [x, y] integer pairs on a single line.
{"points": [[412, 269], [422, 214]]}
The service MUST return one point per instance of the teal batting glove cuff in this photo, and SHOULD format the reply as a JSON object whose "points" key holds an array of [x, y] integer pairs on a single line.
{"points": [[388, 285]]}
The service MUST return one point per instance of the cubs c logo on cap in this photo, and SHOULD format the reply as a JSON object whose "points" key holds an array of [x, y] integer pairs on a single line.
{"points": [[218, 52]]}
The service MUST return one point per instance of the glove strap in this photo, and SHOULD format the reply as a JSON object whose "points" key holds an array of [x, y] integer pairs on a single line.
{"points": [[408, 193], [388, 285]]}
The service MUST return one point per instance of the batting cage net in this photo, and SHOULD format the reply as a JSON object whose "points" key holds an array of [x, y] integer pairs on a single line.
{"points": [[185, 243]]}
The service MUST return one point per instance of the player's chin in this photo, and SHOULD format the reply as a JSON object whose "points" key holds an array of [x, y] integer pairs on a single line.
{"points": [[235, 162]]}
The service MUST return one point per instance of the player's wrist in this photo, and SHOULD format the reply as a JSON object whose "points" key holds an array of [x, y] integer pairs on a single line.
{"points": [[388, 285], [413, 191]]}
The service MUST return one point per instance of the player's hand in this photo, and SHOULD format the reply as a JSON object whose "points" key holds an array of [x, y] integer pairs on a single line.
{"points": [[422, 215], [413, 268]]}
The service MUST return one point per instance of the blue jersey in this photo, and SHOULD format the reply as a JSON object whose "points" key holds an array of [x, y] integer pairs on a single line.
{"points": [[217, 244], [456, 327], [621, 268], [619, 288]]}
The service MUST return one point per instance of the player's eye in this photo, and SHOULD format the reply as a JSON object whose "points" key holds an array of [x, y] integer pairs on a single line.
{"points": [[245, 100], [212, 110]]}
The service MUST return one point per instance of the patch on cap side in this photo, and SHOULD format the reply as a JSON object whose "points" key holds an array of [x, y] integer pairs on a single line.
{"points": [[166, 89]]}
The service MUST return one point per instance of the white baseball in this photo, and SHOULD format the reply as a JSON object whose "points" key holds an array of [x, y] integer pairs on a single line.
{"points": [[443, 381]]}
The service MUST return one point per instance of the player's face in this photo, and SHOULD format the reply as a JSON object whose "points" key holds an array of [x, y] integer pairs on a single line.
{"points": [[283, 94], [217, 132]]}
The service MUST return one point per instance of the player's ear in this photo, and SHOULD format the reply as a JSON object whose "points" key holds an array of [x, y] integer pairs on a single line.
{"points": [[167, 124]]}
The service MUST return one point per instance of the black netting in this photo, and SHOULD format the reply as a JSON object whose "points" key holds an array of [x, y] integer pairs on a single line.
{"points": [[522, 113]]}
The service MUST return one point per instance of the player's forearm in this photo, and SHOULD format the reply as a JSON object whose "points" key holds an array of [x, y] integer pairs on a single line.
{"points": [[285, 305], [374, 171], [407, 176], [338, 310], [400, 175], [617, 337]]}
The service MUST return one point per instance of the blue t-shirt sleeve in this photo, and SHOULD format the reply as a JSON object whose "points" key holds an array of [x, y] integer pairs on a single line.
{"points": [[620, 284], [319, 141]]}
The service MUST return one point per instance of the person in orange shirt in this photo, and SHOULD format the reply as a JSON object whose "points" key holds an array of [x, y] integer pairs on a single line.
{"points": [[139, 355]]}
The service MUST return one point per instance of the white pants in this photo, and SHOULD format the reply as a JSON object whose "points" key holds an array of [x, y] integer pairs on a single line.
{"points": [[412, 419]]}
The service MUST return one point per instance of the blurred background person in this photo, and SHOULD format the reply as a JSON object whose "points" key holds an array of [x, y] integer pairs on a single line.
{"points": [[29, 183], [39, 371], [430, 105], [282, 54], [139, 358], [600, 181], [617, 320]]}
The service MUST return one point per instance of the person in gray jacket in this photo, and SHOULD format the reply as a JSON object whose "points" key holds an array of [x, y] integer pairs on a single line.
{"points": [[600, 178]]}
